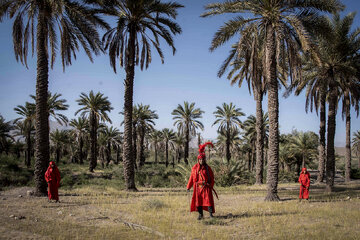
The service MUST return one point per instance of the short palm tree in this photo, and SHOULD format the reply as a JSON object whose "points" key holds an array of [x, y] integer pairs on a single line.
{"points": [[80, 132], [52, 25], [26, 128], [140, 24], [186, 121], [228, 117], [356, 145], [222, 140], [111, 136], [168, 137], [281, 23], [5, 128], [305, 146], [179, 142], [155, 138], [95, 108], [59, 139]]}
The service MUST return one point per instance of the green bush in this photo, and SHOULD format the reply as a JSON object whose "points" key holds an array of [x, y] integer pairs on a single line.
{"points": [[287, 177], [13, 172], [355, 173]]}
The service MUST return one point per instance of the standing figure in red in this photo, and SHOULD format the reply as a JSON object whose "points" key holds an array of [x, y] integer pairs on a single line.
{"points": [[304, 180], [202, 179], [52, 177]]}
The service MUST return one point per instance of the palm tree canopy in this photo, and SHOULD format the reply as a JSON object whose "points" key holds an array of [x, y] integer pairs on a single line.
{"points": [[228, 115], [95, 103], [188, 115], [72, 22], [149, 19]]}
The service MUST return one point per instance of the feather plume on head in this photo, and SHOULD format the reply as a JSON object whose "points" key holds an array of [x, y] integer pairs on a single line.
{"points": [[202, 150]]}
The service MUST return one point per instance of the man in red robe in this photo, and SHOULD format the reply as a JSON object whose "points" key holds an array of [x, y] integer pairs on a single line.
{"points": [[304, 180], [52, 177], [202, 179]]}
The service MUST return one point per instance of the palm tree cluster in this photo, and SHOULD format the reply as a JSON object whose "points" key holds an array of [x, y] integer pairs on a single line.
{"points": [[280, 42]]}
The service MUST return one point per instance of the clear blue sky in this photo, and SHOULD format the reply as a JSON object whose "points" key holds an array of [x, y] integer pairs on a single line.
{"points": [[190, 75]]}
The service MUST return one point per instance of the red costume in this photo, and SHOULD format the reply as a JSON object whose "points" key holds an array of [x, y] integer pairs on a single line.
{"points": [[52, 177], [202, 179], [304, 180]]}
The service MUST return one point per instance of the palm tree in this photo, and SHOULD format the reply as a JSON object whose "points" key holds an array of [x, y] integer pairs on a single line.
{"points": [[155, 138], [227, 117], [26, 128], [222, 140], [111, 136], [305, 145], [179, 141], [5, 128], [77, 26], [59, 138], [140, 24], [281, 23], [145, 124], [95, 108], [168, 137], [356, 145], [185, 119], [81, 126]]}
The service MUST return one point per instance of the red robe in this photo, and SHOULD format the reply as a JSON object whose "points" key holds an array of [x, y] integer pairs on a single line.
{"points": [[304, 180], [52, 177], [203, 186]]}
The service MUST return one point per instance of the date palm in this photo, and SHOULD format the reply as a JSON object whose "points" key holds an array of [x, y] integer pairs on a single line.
{"points": [[146, 123], [281, 23], [168, 138], [179, 143], [186, 121], [95, 108], [222, 140], [59, 139], [111, 136], [140, 25], [80, 132], [356, 145], [5, 128], [304, 145], [27, 131], [26, 128], [155, 139], [64, 26], [227, 117]]}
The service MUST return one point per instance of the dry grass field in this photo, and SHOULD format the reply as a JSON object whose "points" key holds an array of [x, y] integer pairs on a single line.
{"points": [[241, 213]]}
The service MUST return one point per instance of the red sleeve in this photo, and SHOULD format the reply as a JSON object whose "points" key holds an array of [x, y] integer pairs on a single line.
{"points": [[191, 180], [211, 177]]}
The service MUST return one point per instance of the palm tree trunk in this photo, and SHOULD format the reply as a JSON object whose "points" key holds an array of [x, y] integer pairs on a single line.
{"points": [[108, 154], [93, 142], [273, 108], [28, 149], [42, 113], [322, 147], [156, 155], [142, 147], [81, 145], [228, 154], [330, 162], [166, 154], [253, 157], [57, 155], [259, 138], [348, 141], [187, 140], [128, 158], [134, 144], [303, 161]]}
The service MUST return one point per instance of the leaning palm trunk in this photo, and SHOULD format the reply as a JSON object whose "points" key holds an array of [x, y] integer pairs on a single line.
{"points": [[93, 142], [348, 141], [273, 106], [259, 139], [322, 147], [330, 163], [42, 116], [129, 171]]}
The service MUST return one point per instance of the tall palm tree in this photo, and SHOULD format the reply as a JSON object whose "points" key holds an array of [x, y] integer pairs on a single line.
{"points": [[77, 24], [168, 137], [186, 120], [81, 126], [26, 128], [146, 122], [155, 138], [95, 108], [356, 145], [333, 73], [140, 24], [281, 23], [227, 117], [5, 128]]}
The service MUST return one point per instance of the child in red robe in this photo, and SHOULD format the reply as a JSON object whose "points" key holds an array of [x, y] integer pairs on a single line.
{"points": [[304, 180], [52, 177], [202, 179]]}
